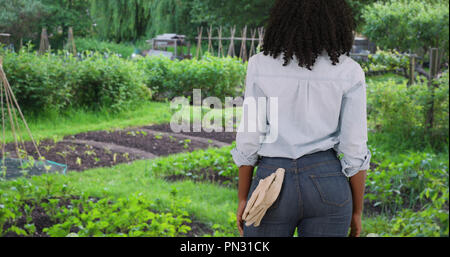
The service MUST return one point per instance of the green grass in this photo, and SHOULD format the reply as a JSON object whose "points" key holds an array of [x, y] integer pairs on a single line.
{"points": [[53, 125], [77, 121]]}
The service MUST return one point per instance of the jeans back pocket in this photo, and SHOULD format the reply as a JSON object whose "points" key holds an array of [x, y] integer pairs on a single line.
{"points": [[263, 172], [334, 188]]}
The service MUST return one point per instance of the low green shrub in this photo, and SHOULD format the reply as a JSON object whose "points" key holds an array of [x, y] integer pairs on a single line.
{"points": [[408, 223], [219, 160], [84, 216], [414, 180]]}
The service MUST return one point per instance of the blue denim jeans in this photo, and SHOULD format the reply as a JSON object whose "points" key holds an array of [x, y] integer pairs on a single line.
{"points": [[315, 198]]}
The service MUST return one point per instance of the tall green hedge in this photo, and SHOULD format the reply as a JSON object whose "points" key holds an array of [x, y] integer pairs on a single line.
{"points": [[215, 76], [57, 81]]}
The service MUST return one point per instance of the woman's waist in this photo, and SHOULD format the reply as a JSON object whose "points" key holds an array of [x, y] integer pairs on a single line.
{"points": [[303, 162]]}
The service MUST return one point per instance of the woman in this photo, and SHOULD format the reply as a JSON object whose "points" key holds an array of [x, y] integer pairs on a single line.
{"points": [[319, 121]]}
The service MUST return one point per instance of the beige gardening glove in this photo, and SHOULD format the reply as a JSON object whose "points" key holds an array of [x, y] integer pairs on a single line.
{"points": [[264, 195]]}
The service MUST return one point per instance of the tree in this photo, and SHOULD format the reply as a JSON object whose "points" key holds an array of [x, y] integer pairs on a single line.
{"points": [[408, 25], [62, 14], [20, 19]]}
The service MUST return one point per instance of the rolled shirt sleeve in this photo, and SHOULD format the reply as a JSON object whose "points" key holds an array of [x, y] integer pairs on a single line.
{"points": [[252, 125], [353, 128]]}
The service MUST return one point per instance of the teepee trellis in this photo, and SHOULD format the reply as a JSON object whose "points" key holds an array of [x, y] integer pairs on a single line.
{"points": [[44, 45], [210, 46], [71, 42], [231, 51], [220, 50], [7, 96]]}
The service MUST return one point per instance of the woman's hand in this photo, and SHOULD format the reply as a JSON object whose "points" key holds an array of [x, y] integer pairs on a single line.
{"points": [[358, 185], [245, 181], [240, 212], [356, 225]]}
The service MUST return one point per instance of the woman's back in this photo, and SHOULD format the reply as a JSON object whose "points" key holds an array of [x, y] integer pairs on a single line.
{"points": [[311, 105]]}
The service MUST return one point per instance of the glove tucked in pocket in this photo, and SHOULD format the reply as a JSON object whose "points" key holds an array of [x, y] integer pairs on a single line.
{"points": [[264, 195]]}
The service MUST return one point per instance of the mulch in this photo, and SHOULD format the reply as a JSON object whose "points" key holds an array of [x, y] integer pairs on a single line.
{"points": [[160, 145]]}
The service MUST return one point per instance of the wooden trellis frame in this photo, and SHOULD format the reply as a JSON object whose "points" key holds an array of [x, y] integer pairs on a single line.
{"points": [[10, 105], [245, 52]]}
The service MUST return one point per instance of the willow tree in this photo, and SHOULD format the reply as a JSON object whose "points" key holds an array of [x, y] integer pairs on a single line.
{"points": [[128, 20], [121, 20], [171, 16]]}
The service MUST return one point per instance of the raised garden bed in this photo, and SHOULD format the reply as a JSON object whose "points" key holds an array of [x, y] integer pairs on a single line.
{"points": [[76, 156], [157, 144], [108, 148]]}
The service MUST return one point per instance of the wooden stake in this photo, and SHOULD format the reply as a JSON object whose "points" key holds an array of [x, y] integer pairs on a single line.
{"points": [[252, 47], [199, 42], [412, 69], [210, 47], [220, 50], [231, 51], [434, 69], [243, 52], [260, 37], [434, 62]]}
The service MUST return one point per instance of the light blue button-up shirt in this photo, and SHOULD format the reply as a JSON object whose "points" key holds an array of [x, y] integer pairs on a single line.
{"points": [[316, 110]]}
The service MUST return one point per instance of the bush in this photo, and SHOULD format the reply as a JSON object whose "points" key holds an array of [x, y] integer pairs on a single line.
{"points": [[215, 76], [38, 82], [57, 82], [398, 113], [113, 83], [386, 61]]}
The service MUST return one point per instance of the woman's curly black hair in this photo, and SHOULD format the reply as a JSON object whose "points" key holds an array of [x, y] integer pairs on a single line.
{"points": [[305, 28]]}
